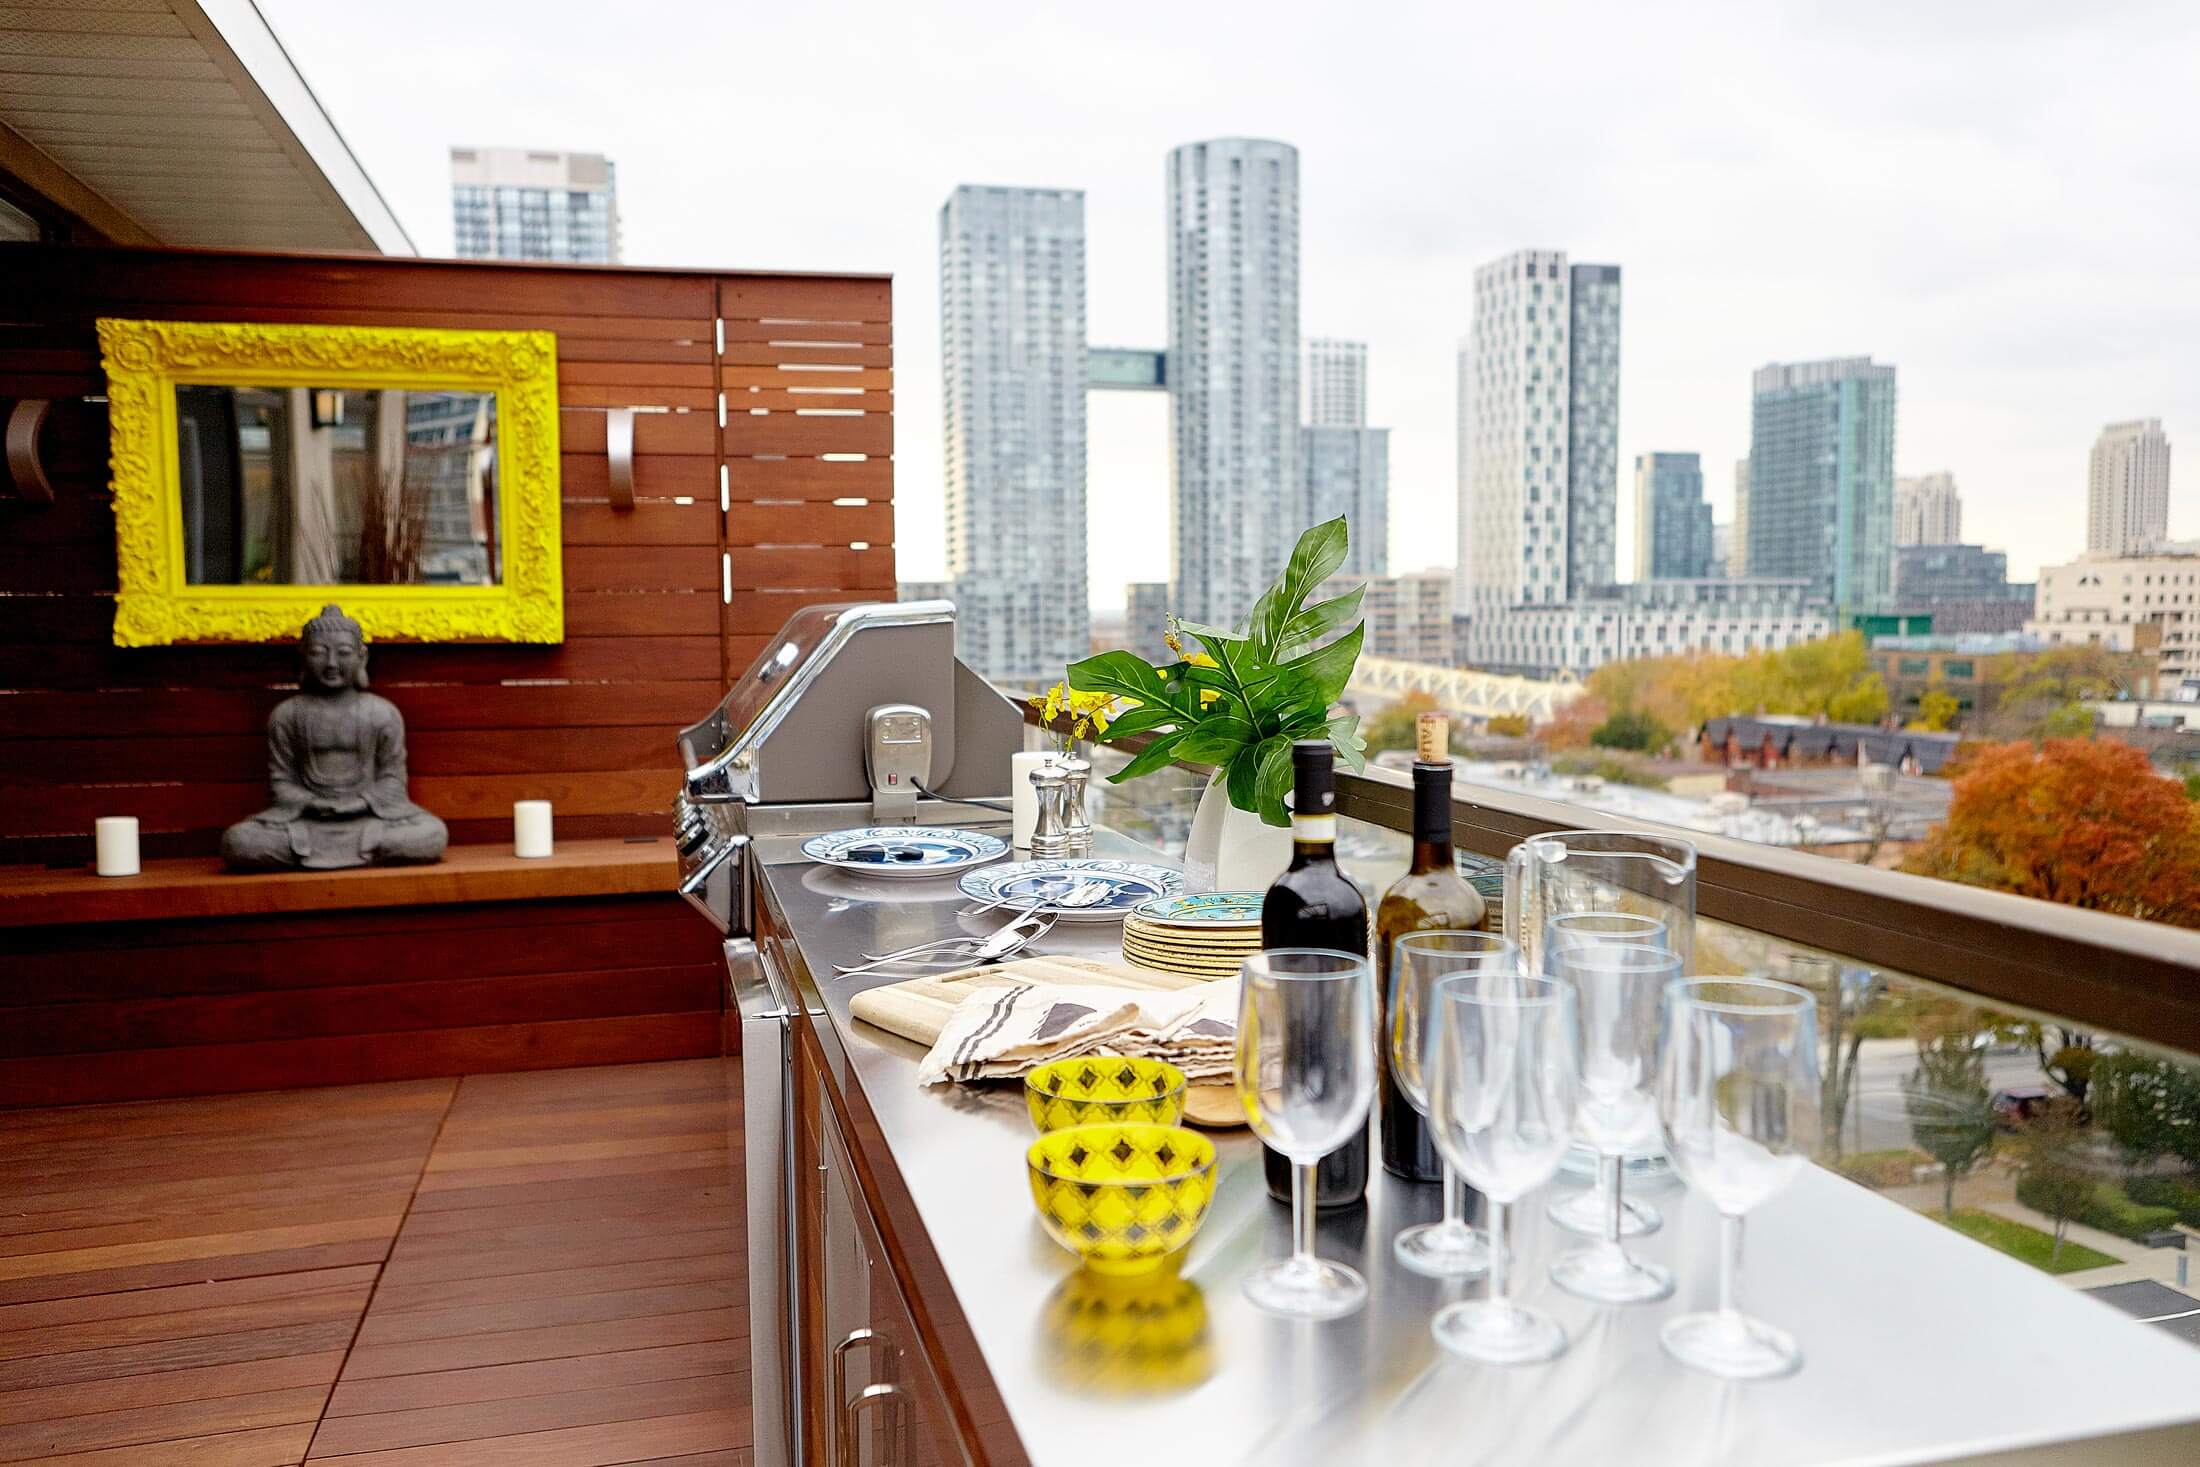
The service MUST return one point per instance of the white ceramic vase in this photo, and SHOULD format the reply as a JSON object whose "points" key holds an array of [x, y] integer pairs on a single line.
{"points": [[1230, 849]]}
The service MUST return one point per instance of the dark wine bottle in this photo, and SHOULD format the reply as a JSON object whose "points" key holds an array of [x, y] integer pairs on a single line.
{"points": [[1313, 904], [1431, 896]]}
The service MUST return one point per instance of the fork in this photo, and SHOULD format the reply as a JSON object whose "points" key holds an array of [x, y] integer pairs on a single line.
{"points": [[1086, 893], [1003, 943]]}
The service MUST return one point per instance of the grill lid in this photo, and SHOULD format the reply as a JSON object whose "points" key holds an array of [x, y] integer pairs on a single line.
{"points": [[791, 730]]}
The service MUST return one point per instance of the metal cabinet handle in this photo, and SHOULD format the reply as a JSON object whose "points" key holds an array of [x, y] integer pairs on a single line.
{"points": [[861, 1335], [854, 1337], [851, 1416]]}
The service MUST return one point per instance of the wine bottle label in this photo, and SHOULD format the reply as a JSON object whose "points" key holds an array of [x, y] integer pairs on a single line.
{"points": [[1314, 827]]}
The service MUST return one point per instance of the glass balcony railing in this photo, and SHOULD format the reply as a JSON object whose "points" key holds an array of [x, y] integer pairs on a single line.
{"points": [[2025, 1073]]}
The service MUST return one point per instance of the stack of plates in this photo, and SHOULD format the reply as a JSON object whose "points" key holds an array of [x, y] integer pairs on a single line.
{"points": [[1206, 935]]}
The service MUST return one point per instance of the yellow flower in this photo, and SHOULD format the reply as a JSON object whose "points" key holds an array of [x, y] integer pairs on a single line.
{"points": [[1201, 659]]}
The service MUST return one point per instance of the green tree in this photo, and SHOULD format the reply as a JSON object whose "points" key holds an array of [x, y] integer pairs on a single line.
{"points": [[2151, 1106], [1951, 1113], [1860, 702], [2192, 785], [1629, 729], [1397, 727], [2037, 690], [2070, 721], [1936, 710], [2055, 1178], [1508, 726]]}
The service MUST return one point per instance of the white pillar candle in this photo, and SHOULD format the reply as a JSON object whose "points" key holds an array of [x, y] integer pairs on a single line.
{"points": [[1022, 798], [115, 839], [531, 828]]}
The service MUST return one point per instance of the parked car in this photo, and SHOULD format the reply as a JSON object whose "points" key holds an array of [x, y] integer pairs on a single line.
{"points": [[2018, 1104]]}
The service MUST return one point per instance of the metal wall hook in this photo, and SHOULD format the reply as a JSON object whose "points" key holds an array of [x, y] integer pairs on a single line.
{"points": [[28, 474], [618, 432]]}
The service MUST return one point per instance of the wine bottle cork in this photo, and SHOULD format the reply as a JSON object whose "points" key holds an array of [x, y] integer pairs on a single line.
{"points": [[1432, 741]]}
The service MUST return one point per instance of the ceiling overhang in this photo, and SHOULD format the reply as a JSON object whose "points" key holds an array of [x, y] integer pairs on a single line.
{"points": [[180, 122]]}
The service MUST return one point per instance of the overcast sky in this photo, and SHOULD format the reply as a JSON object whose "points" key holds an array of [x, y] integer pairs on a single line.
{"points": [[2002, 199]]}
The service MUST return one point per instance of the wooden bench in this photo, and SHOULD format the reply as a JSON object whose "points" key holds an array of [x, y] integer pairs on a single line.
{"points": [[188, 980]]}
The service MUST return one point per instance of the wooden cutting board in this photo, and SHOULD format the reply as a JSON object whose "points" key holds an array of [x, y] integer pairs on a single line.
{"points": [[918, 1009]]}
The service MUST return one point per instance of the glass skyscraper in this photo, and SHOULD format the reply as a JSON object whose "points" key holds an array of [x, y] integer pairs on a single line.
{"points": [[1672, 518], [1821, 479], [1236, 497], [1012, 350]]}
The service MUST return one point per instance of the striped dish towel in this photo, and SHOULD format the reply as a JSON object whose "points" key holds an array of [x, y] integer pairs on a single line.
{"points": [[999, 1033]]}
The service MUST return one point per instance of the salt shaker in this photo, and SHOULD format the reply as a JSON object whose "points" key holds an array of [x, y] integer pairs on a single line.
{"points": [[1050, 835], [1077, 826]]}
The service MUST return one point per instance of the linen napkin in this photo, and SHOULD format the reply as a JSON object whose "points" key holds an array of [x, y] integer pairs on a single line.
{"points": [[999, 1033]]}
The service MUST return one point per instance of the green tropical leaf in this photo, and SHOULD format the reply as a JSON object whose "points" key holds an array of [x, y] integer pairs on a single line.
{"points": [[1125, 674], [1215, 738], [1240, 775], [1318, 621], [1143, 719], [1313, 560], [1156, 755], [1128, 675], [1322, 674], [1344, 732], [1272, 780]]}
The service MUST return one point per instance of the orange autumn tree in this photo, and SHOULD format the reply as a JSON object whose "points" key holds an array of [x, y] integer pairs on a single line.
{"points": [[2080, 821]]}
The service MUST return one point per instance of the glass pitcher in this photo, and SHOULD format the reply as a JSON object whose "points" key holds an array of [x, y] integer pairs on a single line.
{"points": [[1584, 871], [1565, 871]]}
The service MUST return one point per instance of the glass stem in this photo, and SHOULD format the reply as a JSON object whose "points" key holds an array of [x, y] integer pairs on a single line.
{"points": [[1302, 1212], [1730, 1261], [1454, 1201], [1608, 1179], [1498, 1300]]}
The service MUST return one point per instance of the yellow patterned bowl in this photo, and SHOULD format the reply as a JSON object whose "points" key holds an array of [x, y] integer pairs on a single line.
{"points": [[1104, 1089], [1123, 1198]]}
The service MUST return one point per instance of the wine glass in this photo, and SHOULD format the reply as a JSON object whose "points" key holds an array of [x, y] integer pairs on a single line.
{"points": [[1502, 1069], [1306, 1076], [1419, 960], [1586, 1212], [1620, 989], [1738, 1100]]}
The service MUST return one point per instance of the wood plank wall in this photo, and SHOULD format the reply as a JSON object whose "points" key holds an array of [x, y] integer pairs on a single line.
{"points": [[173, 735]]}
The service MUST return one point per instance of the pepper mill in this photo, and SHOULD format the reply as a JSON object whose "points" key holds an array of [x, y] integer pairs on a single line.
{"points": [[1077, 826], [1050, 835]]}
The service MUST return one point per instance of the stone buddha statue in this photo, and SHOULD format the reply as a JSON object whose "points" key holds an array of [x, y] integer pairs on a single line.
{"points": [[335, 769]]}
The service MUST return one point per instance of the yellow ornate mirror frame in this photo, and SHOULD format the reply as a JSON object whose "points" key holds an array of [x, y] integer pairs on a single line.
{"points": [[434, 514]]}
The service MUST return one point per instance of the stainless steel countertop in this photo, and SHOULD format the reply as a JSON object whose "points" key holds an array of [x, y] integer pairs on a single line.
{"points": [[1920, 1345]]}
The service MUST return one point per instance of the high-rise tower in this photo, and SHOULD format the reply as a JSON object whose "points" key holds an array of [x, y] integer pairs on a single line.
{"points": [[1928, 510], [1235, 490], [2127, 489], [1012, 348], [1821, 479], [1538, 438], [528, 204]]}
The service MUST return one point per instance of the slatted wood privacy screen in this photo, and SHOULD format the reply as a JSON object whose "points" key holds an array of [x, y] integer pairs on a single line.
{"points": [[789, 501]]}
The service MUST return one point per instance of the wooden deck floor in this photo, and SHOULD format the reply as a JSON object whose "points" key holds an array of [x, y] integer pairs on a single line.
{"points": [[540, 1268]]}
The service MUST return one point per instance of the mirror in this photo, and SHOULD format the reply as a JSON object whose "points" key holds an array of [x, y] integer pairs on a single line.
{"points": [[264, 470], [328, 486]]}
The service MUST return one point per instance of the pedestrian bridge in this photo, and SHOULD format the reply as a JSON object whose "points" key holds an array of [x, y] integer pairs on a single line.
{"points": [[1462, 690]]}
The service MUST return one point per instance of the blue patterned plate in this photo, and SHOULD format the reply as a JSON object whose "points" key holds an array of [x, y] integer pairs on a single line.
{"points": [[904, 850], [1209, 910], [1020, 883]]}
